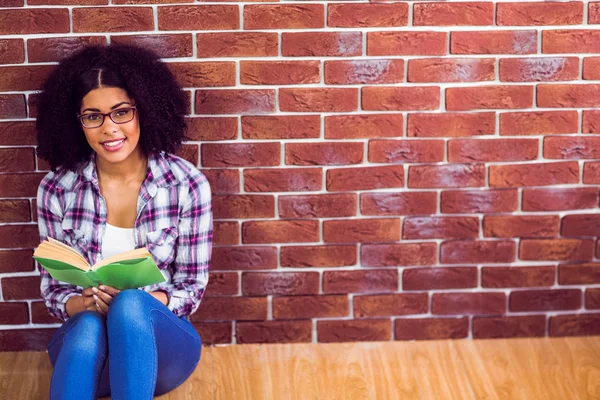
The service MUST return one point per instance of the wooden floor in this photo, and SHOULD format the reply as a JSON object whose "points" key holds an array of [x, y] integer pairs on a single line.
{"points": [[557, 368]]}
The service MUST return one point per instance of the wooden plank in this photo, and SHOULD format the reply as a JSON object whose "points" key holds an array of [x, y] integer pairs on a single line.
{"points": [[25, 375], [238, 372], [199, 385], [580, 361], [289, 371], [439, 372]]}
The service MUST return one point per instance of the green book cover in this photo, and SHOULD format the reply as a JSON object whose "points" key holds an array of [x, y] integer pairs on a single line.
{"points": [[124, 274]]}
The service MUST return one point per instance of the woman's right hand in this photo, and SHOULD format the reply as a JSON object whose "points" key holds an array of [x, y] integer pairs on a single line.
{"points": [[88, 300]]}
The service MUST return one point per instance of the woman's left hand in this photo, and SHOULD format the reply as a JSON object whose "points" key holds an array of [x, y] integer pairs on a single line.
{"points": [[103, 296]]}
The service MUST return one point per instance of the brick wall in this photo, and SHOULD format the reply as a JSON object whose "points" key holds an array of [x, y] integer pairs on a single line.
{"points": [[380, 171]]}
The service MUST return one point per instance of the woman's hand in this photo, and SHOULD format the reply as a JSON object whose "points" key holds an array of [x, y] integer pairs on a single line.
{"points": [[102, 296]]}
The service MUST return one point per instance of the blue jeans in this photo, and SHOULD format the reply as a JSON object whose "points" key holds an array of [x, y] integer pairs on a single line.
{"points": [[150, 351]]}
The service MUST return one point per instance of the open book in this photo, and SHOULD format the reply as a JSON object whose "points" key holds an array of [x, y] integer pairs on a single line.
{"points": [[129, 270]]}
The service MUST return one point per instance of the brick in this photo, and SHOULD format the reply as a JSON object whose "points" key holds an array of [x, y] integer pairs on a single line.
{"points": [[14, 211], [55, 49], [538, 123], [40, 314], [431, 328], [20, 185], [486, 97], [545, 300], [591, 172], [574, 325], [223, 180], [12, 106], [406, 43], [24, 77], [400, 98], [237, 44], [451, 124], [473, 150], [451, 70], [446, 176], [212, 128], [235, 101], [539, 69], [570, 41], [274, 332], [223, 284], [402, 203], [280, 283], [318, 99], [12, 51], [594, 13], [367, 15], [280, 231], [231, 308], [32, 100], [113, 19], [541, 174], [521, 226], [479, 201], [363, 126], [18, 236], [281, 127], [188, 152], [25, 339], [578, 274], [366, 178], [21, 288], [321, 44], [590, 68], [12, 3], [360, 281], [559, 199], [203, 74], [283, 180], [243, 206], [390, 304], [556, 249], [361, 230], [409, 151], [300, 307], [364, 71], [439, 278], [494, 42], [16, 261], [284, 16], [215, 333], [318, 206], [469, 303], [566, 147], [512, 277], [14, 313], [67, 2], [453, 14], [198, 18], [440, 227], [318, 256], [325, 153], [226, 232], [354, 330], [592, 299], [150, 1], [232, 258], [18, 159], [580, 225], [279, 72], [478, 251], [565, 95], [509, 327], [399, 254], [240, 154], [523, 14], [33, 21]]}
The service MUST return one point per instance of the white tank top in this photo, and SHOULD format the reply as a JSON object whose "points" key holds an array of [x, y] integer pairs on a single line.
{"points": [[117, 240]]}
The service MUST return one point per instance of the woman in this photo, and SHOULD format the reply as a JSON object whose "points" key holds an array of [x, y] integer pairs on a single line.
{"points": [[109, 119]]}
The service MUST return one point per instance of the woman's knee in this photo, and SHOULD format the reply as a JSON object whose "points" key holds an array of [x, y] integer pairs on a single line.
{"points": [[128, 304], [88, 336]]}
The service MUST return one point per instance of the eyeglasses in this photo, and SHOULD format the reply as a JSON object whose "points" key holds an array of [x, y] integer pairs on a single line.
{"points": [[119, 116]]}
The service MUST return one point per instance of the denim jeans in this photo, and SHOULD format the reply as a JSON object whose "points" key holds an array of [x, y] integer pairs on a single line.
{"points": [[141, 349]]}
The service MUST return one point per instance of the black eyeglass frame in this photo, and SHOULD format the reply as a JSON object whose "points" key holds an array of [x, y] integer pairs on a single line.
{"points": [[104, 115]]}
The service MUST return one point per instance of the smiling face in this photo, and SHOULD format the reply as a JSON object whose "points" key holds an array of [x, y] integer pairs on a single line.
{"points": [[113, 143]]}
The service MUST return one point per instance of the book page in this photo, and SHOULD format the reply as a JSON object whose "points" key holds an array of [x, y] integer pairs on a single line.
{"points": [[70, 249], [62, 253], [129, 255]]}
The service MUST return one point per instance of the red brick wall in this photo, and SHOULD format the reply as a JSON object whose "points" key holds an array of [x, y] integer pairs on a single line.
{"points": [[380, 171]]}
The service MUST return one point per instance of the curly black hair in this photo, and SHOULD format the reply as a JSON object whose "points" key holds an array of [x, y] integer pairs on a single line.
{"points": [[160, 101]]}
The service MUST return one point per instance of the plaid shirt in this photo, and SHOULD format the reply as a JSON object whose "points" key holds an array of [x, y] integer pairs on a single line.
{"points": [[174, 222]]}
